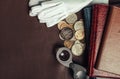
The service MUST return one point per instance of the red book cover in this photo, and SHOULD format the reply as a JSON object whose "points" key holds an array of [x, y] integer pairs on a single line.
{"points": [[98, 22], [99, 14], [109, 54]]}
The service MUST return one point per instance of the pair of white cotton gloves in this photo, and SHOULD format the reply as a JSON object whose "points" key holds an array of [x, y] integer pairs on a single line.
{"points": [[53, 11]]}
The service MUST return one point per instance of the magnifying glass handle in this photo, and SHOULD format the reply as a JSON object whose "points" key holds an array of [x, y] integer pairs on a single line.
{"points": [[79, 71]]}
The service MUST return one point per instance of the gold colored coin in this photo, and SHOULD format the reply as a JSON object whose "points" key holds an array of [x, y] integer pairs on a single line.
{"points": [[77, 49], [79, 25], [63, 24], [71, 26], [68, 43], [79, 35], [71, 19]]}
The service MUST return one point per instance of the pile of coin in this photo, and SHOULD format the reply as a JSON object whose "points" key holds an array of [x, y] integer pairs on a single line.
{"points": [[72, 32]]}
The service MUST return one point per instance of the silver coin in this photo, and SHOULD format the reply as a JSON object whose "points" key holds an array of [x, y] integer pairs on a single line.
{"points": [[77, 49], [79, 25], [71, 19]]}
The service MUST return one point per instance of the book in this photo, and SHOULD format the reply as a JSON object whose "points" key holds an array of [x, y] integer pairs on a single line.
{"points": [[99, 14], [109, 58], [87, 16], [87, 22], [93, 71]]}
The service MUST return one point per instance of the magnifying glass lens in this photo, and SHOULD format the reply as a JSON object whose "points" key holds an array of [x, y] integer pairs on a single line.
{"points": [[64, 55]]}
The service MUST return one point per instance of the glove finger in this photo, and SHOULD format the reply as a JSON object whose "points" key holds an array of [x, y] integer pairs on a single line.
{"points": [[55, 21], [35, 10], [51, 3], [43, 2], [35, 2], [51, 11], [44, 20], [53, 14], [52, 18], [49, 6]]}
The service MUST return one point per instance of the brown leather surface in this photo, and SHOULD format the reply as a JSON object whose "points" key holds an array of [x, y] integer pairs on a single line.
{"points": [[26, 46]]}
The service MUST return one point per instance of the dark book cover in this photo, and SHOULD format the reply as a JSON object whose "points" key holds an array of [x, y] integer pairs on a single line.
{"points": [[87, 15]]}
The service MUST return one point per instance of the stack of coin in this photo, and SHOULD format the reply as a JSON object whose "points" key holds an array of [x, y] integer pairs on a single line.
{"points": [[72, 32], [79, 28]]}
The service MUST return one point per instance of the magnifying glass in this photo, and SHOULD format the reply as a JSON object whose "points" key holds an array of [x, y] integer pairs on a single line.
{"points": [[64, 56]]}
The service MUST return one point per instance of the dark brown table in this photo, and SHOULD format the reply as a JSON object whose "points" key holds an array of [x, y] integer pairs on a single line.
{"points": [[26, 46]]}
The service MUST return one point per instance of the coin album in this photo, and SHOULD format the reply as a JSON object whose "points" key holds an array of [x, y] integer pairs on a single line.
{"points": [[104, 48]]}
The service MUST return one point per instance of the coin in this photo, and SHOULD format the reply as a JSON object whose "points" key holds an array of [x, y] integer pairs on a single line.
{"points": [[63, 24], [73, 38], [71, 26], [77, 49], [60, 37], [79, 35], [79, 42], [66, 33], [79, 25], [68, 43], [71, 19]]}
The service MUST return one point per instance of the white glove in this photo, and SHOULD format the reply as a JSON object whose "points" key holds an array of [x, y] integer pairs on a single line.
{"points": [[52, 12], [35, 2], [100, 2]]}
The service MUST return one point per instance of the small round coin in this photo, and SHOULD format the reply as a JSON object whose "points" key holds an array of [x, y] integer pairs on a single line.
{"points": [[79, 35], [79, 42], [62, 24], [71, 19], [66, 33], [79, 25], [77, 49], [68, 43]]}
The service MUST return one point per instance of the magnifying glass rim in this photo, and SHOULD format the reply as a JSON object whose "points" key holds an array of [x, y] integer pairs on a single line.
{"points": [[67, 62]]}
